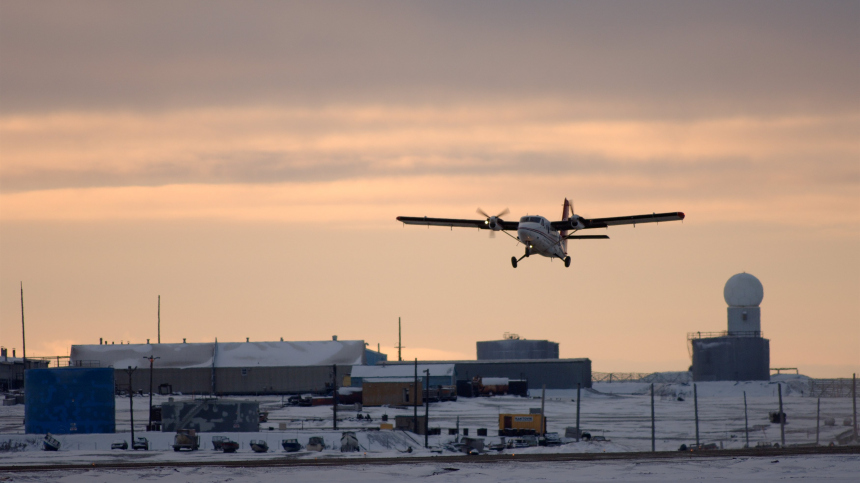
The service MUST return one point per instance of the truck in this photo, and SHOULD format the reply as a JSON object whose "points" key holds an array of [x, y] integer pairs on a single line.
{"points": [[186, 439]]}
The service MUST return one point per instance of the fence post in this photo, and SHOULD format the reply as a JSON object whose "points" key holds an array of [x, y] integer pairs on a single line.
{"points": [[653, 430], [854, 397], [578, 385], [696, 406], [746, 421], [818, 422], [781, 416]]}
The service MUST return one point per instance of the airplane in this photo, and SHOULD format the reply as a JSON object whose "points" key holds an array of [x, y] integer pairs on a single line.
{"points": [[539, 235]]}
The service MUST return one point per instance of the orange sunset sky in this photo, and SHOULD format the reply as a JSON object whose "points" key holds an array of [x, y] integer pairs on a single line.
{"points": [[246, 161]]}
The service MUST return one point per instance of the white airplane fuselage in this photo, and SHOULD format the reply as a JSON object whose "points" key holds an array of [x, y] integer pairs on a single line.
{"points": [[537, 234]]}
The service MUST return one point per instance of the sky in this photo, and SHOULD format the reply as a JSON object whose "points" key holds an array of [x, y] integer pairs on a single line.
{"points": [[246, 162]]}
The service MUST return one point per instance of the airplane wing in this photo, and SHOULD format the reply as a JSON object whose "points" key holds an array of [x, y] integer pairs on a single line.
{"points": [[482, 224], [617, 220], [586, 237]]}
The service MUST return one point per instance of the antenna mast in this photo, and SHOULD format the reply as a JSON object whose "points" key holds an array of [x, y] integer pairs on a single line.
{"points": [[23, 335], [399, 340], [159, 319]]}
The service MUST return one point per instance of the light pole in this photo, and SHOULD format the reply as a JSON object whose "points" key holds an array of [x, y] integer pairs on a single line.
{"points": [[426, 407], [130, 371], [151, 360]]}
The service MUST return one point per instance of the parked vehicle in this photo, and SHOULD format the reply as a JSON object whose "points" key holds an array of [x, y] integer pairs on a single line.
{"points": [[497, 446], [217, 441], [119, 444], [442, 393], [551, 439], [315, 443], [229, 446], [291, 445], [140, 443], [259, 446], [349, 442], [186, 439], [50, 444], [522, 442]]}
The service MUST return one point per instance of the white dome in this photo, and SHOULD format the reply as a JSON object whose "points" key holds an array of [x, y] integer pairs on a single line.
{"points": [[743, 290]]}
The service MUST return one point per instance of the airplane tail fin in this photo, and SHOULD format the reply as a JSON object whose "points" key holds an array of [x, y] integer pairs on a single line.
{"points": [[565, 215]]}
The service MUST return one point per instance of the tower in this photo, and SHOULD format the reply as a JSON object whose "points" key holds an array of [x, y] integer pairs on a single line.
{"points": [[740, 353]]}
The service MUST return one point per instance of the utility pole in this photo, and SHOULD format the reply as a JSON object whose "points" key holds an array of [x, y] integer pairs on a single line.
{"points": [[23, 334], [415, 399], [399, 341], [653, 429], [130, 371], [334, 394], [159, 319], [426, 408], [542, 420], [746, 421], [781, 415], [696, 406], [151, 360], [578, 385]]}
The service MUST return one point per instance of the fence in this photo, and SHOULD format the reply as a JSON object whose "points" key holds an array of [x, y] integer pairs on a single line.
{"points": [[649, 377], [830, 388]]}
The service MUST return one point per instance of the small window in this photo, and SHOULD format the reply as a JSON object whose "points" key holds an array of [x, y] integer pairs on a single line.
{"points": [[244, 372]]}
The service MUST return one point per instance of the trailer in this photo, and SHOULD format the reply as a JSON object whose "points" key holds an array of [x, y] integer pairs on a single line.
{"points": [[521, 424]]}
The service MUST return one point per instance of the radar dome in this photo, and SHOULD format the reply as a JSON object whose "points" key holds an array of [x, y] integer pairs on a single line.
{"points": [[743, 290]]}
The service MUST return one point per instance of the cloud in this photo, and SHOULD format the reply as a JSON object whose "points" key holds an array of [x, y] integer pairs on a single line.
{"points": [[666, 58], [221, 146]]}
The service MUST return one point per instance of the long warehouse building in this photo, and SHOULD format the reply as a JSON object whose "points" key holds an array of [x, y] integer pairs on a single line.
{"points": [[220, 368]]}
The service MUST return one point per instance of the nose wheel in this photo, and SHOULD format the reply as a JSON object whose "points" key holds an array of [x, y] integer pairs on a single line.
{"points": [[514, 260], [566, 261]]}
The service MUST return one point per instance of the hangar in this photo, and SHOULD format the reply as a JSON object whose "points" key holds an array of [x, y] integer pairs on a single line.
{"points": [[237, 368]]}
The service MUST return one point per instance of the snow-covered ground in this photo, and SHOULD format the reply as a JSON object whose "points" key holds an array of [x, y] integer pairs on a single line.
{"points": [[794, 468], [619, 411]]}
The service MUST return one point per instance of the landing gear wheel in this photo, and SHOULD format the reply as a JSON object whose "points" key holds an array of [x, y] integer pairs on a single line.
{"points": [[566, 261], [514, 261]]}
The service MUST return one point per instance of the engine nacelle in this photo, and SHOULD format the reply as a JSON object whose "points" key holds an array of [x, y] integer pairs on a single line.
{"points": [[575, 223], [495, 223]]}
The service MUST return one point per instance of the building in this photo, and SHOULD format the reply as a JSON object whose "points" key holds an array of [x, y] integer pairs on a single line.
{"points": [[70, 400], [511, 347], [237, 368], [12, 369], [554, 373], [740, 353], [392, 391], [440, 374]]}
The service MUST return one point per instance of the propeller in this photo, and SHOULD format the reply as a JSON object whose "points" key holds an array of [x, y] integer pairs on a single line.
{"points": [[491, 220]]}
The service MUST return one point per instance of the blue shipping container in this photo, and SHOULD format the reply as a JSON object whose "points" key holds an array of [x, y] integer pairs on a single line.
{"points": [[69, 401]]}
